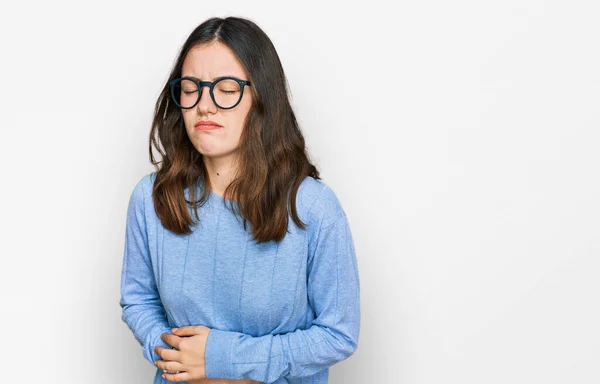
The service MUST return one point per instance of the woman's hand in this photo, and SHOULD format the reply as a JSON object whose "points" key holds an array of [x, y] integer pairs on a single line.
{"points": [[188, 357]]}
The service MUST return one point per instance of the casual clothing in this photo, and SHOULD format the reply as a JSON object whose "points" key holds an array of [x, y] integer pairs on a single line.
{"points": [[278, 312]]}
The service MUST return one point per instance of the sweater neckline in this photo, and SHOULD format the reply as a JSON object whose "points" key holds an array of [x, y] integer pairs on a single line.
{"points": [[221, 202]]}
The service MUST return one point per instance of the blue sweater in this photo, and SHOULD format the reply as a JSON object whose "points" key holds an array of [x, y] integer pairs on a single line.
{"points": [[278, 313]]}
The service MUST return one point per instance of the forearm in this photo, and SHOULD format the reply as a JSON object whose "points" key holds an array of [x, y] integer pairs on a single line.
{"points": [[147, 323]]}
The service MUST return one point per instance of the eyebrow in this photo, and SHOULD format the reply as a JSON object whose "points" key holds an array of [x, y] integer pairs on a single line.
{"points": [[214, 78]]}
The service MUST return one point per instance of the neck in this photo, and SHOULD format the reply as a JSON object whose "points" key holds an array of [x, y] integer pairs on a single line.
{"points": [[221, 172]]}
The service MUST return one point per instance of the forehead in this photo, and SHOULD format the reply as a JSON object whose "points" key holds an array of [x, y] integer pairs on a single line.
{"points": [[212, 60]]}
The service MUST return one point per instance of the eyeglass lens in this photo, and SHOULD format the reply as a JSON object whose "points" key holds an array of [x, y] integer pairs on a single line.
{"points": [[227, 93]]}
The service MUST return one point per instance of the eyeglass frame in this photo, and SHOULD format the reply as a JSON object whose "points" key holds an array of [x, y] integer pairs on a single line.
{"points": [[211, 84]]}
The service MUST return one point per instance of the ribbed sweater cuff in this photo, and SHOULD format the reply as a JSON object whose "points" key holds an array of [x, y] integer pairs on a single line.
{"points": [[217, 356]]}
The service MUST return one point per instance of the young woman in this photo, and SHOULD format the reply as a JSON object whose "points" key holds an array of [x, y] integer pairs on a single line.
{"points": [[235, 239]]}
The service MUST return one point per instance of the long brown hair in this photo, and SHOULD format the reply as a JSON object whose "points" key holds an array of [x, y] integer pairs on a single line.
{"points": [[273, 159]]}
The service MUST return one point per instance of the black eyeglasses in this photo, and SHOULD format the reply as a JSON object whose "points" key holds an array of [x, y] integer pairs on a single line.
{"points": [[226, 92]]}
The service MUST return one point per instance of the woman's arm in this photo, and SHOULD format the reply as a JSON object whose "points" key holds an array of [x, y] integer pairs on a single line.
{"points": [[333, 290], [142, 309]]}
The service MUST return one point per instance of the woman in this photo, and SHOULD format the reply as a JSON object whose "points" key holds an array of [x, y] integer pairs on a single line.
{"points": [[263, 284]]}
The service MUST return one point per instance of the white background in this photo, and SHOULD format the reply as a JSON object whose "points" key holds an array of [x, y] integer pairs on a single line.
{"points": [[462, 138]]}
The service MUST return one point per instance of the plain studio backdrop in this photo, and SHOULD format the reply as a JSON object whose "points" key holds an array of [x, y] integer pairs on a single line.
{"points": [[461, 137]]}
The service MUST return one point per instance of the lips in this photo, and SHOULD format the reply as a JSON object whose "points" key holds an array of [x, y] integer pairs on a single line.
{"points": [[207, 125]]}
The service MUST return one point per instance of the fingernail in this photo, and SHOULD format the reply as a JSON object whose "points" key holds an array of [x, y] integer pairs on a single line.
{"points": [[173, 329]]}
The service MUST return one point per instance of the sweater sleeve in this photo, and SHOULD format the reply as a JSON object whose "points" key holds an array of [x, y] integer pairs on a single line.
{"points": [[333, 290], [142, 309]]}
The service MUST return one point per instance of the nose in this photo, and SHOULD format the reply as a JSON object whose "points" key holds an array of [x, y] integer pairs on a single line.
{"points": [[205, 104]]}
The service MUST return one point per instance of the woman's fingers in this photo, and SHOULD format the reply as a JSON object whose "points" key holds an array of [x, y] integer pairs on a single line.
{"points": [[168, 354], [169, 366]]}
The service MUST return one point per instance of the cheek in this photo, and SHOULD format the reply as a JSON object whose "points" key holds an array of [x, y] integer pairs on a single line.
{"points": [[237, 119], [188, 119], [244, 112], [187, 122]]}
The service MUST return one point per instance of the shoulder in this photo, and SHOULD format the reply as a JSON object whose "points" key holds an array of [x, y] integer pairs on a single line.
{"points": [[142, 190], [318, 202]]}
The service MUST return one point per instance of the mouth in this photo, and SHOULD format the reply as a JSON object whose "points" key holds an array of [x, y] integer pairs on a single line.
{"points": [[206, 126]]}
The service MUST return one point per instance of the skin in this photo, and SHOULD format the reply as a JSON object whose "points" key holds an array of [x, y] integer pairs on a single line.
{"points": [[219, 149], [189, 343]]}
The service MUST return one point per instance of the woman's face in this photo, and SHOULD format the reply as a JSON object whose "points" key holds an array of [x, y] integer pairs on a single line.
{"points": [[207, 62]]}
